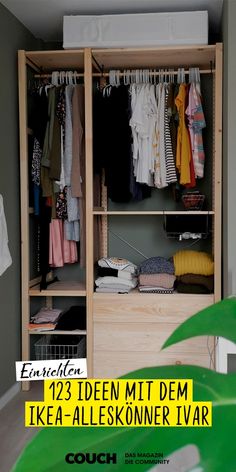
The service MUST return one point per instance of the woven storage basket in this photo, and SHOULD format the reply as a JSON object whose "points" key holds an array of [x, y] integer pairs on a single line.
{"points": [[193, 201]]}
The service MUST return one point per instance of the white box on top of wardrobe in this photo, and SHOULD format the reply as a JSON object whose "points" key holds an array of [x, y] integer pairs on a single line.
{"points": [[130, 30]]}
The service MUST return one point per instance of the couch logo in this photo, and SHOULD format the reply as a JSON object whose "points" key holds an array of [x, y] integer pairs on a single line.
{"points": [[91, 458]]}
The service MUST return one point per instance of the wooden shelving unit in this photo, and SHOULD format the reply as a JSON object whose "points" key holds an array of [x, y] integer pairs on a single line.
{"points": [[119, 338], [129, 330], [39, 62]]}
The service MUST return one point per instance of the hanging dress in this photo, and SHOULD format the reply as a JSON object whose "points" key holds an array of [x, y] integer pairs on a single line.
{"points": [[183, 153]]}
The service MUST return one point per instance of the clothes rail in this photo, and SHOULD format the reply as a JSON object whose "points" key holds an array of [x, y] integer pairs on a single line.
{"points": [[106, 74]]}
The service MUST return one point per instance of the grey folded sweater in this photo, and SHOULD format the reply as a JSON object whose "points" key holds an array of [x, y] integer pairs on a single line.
{"points": [[157, 265]]}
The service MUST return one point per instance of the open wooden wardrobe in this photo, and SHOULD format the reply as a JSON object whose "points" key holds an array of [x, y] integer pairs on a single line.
{"points": [[136, 213]]}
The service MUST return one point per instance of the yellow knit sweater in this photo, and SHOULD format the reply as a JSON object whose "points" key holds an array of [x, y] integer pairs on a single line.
{"points": [[193, 262]]}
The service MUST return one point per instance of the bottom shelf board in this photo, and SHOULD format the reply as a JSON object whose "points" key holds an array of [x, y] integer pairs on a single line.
{"points": [[60, 289], [76, 332], [136, 292]]}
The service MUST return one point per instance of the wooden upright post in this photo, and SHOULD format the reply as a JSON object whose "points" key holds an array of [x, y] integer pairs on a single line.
{"points": [[89, 204], [24, 208], [218, 172]]}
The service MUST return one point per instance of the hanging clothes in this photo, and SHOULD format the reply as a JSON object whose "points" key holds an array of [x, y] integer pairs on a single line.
{"points": [[117, 144], [49, 130], [99, 123], [46, 182], [5, 256], [72, 223], [159, 170], [78, 145], [61, 205], [172, 114], [161, 122], [152, 149], [68, 134], [164, 168], [36, 162], [171, 176], [38, 122], [61, 115], [39, 114], [113, 144], [161, 151], [196, 122], [55, 151], [78, 164], [183, 153], [58, 158], [72, 230], [142, 122], [138, 190], [192, 183], [44, 218], [61, 251]]}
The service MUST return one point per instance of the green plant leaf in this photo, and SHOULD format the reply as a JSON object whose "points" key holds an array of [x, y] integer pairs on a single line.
{"points": [[47, 450], [216, 320]]}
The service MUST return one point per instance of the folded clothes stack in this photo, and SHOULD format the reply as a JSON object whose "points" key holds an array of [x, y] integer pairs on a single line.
{"points": [[194, 272], [41, 326], [116, 275], [156, 275], [72, 319], [45, 320]]}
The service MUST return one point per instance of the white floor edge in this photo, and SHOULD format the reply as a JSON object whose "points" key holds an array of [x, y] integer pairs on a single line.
{"points": [[7, 397]]}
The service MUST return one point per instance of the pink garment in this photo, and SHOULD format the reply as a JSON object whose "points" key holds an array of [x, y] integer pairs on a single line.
{"points": [[61, 251], [196, 122]]}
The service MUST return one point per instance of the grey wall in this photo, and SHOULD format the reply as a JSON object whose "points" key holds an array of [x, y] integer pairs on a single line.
{"points": [[13, 36], [229, 148]]}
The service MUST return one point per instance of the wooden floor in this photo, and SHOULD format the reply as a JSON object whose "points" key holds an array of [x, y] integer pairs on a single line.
{"points": [[13, 434]]}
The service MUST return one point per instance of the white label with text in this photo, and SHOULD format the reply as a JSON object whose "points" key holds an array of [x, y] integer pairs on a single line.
{"points": [[53, 369]]}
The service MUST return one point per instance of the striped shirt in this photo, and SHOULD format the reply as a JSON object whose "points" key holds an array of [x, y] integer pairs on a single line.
{"points": [[169, 156]]}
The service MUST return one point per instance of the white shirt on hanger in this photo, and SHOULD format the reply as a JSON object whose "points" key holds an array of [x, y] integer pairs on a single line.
{"points": [[5, 256], [160, 161], [142, 123]]}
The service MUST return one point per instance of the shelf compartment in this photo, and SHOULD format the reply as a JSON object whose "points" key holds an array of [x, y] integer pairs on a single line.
{"points": [[60, 289]]}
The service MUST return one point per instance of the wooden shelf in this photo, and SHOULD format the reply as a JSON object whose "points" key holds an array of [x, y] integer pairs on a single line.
{"points": [[163, 212], [130, 58], [164, 296], [143, 213], [54, 60], [124, 58], [59, 289], [76, 332]]}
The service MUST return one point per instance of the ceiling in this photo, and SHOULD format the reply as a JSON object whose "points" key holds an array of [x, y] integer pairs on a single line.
{"points": [[44, 18]]}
